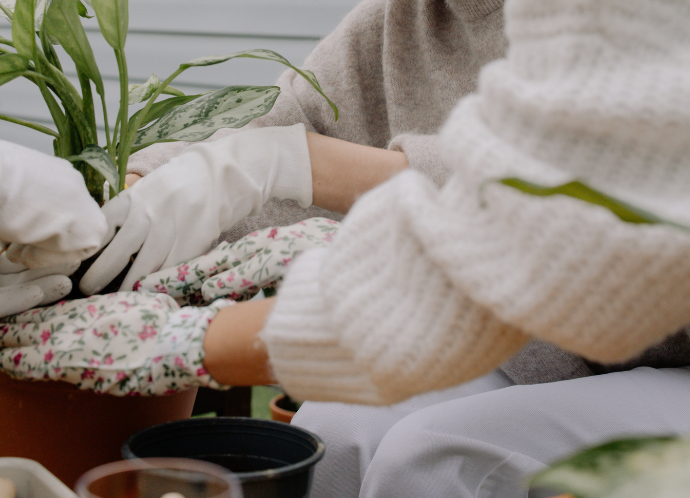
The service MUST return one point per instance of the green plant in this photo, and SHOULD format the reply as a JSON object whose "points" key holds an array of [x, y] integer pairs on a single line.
{"points": [[579, 190], [656, 467], [39, 24]]}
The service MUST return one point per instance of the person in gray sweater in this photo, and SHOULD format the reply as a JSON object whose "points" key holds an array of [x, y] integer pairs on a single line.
{"points": [[396, 68]]}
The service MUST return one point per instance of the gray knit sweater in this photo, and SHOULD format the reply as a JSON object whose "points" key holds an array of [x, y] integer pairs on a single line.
{"points": [[396, 68]]}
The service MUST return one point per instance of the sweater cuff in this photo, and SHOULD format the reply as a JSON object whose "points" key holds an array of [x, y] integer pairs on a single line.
{"points": [[305, 353], [423, 156]]}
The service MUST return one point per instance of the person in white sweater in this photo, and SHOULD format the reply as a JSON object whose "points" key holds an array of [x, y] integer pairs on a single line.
{"points": [[425, 288]]}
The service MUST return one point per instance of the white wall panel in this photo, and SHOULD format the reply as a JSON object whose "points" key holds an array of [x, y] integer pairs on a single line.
{"points": [[166, 33]]}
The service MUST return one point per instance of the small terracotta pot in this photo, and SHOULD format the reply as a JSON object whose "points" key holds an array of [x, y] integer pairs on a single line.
{"points": [[280, 414], [69, 431]]}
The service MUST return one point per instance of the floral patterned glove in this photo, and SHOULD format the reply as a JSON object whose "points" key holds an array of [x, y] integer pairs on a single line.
{"points": [[239, 270], [126, 343]]}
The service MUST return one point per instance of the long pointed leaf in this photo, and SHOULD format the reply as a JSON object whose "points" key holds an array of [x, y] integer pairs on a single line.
{"points": [[100, 160], [159, 109], [83, 11], [7, 77], [23, 28], [579, 190], [113, 19], [6, 12], [231, 107], [13, 62], [263, 54], [63, 22], [11, 67]]}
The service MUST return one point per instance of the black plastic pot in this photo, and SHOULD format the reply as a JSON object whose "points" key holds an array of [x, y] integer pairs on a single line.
{"points": [[271, 459]]}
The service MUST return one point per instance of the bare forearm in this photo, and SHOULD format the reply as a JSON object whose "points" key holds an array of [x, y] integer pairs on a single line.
{"points": [[234, 353], [343, 171]]}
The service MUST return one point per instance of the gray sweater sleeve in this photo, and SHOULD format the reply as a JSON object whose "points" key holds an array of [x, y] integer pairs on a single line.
{"points": [[349, 64]]}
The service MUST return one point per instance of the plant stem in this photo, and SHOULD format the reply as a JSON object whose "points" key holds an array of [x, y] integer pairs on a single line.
{"points": [[87, 99], [109, 144], [8, 12], [122, 118], [33, 74], [137, 123], [28, 124], [58, 118], [61, 78]]}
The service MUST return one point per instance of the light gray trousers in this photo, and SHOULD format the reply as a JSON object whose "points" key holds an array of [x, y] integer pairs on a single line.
{"points": [[484, 438]]}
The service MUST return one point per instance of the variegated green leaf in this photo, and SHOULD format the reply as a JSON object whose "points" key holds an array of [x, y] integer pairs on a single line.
{"points": [[231, 107], [140, 93], [159, 109], [23, 28], [579, 190], [628, 468], [143, 92], [62, 21], [268, 55], [113, 19], [98, 159]]}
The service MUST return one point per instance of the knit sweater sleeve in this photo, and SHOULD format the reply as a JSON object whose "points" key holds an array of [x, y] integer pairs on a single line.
{"points": [[426, 287], [374, 319]]}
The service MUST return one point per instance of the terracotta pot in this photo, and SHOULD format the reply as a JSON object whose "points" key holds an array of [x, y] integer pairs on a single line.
{"points": [[69, 431], [278, 413]]}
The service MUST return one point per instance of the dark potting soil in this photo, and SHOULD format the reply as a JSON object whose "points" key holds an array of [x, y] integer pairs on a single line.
{"points": [[287, 403], [76, 277]]}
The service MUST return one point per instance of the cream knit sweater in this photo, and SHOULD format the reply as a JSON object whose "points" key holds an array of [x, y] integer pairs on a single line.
{"points": [[424, 287]]}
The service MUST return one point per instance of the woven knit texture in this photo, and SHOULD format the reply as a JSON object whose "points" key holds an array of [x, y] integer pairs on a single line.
{"points": [[427, 287]]}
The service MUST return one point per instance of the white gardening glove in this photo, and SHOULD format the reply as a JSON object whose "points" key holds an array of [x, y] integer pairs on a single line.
{"points": [[46, 212], [176, 212], [126, 343], [239, 270], [22, 289]]}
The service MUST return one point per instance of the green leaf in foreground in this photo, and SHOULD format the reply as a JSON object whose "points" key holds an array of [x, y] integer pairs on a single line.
{"points": [[579, 190], [62, 22], [98, 159], [268, 55], [23, 28], [12, 66], [113, 19], [231, 107], [627, 468]]}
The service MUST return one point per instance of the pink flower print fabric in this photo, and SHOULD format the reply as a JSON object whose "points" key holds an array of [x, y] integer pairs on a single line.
{"points": [[239, 270], [125, 344]]}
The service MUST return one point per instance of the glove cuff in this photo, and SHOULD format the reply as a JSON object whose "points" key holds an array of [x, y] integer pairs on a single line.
{"points": [[178, 360], [293, 179], [280, 161]]}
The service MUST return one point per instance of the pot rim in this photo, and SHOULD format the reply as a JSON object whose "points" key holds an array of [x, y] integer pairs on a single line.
{"points": [[260, 475]]}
